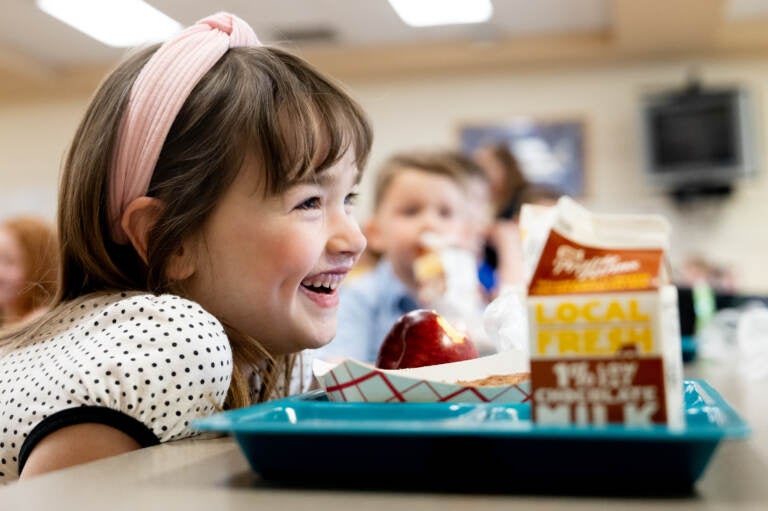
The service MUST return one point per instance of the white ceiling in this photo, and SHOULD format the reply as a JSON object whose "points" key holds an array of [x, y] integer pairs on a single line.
{"points": [[33, 35]]}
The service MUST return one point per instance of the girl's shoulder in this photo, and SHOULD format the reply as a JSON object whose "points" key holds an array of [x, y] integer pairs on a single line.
{"points": [[132, 308], [136, 323], [165, 305]]}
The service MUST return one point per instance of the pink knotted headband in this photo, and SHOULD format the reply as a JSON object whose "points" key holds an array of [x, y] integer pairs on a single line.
{"points": [[156, 98]]}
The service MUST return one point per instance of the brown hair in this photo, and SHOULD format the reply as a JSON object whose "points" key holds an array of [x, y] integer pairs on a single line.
{"points": [[40, 259], [451, 164], [514, 179], [538, 194], [262, 102]]}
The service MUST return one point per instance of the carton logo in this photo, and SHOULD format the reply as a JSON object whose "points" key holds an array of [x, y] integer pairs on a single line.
{"points": [[572, 260], [566, 267]]}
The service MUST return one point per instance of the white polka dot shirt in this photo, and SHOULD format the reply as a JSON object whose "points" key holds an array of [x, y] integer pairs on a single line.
{"points": [[144, 364]]}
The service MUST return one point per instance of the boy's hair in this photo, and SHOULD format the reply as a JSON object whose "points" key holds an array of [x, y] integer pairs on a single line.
{"points": [[40, 260], [451, 164], [255, 101]]}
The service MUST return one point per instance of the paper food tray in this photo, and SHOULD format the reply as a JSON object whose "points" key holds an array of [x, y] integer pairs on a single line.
{"points": [[355, 381]]}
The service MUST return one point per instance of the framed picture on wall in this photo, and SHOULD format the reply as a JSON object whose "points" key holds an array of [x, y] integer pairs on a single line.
{"points": [[550, 152]]}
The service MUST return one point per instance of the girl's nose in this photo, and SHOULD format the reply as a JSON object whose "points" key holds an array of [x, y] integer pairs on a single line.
{"points": [[346, 236]]}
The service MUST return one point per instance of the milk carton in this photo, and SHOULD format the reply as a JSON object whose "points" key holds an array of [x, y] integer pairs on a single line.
{"points": [[603, 321]]}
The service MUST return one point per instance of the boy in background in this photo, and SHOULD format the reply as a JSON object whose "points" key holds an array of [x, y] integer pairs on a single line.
{"points": [[416, 193]]}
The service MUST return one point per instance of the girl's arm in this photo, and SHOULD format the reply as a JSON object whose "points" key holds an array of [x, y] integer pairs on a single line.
{"points": [[73, 445]]}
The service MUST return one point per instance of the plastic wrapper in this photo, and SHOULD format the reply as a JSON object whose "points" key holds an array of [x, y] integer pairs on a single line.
{"points": [[506, 322], [752, 339]]}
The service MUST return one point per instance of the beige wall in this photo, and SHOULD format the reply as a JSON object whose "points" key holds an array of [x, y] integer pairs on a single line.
{"points": [[424, 112], [33, 138]]}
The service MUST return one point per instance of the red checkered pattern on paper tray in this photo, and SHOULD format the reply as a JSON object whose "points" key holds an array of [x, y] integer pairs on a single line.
{"points": [[356, 383]]}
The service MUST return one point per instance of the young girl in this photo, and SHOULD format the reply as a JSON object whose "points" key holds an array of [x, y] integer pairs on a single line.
{"points": [[29, 266], [205, 223]]}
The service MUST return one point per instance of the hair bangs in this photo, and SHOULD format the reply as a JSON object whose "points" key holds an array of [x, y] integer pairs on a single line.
{"points": [[314, 124]]}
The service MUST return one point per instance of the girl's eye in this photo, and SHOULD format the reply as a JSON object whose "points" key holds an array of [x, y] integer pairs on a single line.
{"points": [[351, 199], [311, 203]]}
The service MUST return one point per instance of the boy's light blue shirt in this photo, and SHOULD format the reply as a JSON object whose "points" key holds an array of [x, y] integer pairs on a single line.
{"points": [[368, 307]]}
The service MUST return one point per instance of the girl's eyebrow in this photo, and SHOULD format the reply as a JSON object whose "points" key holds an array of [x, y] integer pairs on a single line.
{"points": [[325, 178]]}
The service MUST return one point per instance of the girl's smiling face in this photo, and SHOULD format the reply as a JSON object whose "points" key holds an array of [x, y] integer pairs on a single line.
{"points": [[271, 267]]}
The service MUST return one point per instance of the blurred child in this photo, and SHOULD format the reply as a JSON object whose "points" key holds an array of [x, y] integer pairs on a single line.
{"points": [[205, 224], [697, 270], [504, 238], [415, 194], [479, 207], [29, 268], [505, 177]]}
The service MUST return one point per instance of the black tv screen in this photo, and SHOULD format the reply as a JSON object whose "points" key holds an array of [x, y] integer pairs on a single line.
{"points": [[695, 137]]}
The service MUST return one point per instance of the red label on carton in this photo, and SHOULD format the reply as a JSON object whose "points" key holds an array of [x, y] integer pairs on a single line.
{"points": [[566, 267], [577, 391]]}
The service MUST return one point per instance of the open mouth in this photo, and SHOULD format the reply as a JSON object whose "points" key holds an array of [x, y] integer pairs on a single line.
{"points": [[322, 289], [319, 289], [325, 284]]}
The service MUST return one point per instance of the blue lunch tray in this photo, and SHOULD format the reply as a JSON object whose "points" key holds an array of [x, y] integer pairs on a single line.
{"points": [[309, 439]]}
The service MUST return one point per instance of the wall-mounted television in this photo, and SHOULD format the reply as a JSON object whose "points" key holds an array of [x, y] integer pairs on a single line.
{"points": [[698, 139]]}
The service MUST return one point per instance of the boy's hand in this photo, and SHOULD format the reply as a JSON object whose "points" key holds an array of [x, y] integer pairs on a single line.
{"points": [[430, 274]]}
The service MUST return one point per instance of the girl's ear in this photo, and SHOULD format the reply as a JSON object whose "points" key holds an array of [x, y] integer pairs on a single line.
{"points": [[139, 217], [181, 265]]}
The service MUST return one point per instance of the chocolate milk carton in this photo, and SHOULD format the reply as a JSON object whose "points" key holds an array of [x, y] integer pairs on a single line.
{"points": [[603, 321]]}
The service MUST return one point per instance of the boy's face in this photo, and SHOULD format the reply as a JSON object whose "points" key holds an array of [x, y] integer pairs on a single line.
{"points": [[271, 267], [416, 202]]}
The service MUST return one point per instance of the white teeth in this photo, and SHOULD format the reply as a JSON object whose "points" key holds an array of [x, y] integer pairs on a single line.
{"points": [[330, 281]]}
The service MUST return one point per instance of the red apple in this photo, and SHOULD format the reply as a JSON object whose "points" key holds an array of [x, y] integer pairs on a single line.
{"points": [[421, 338]]}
